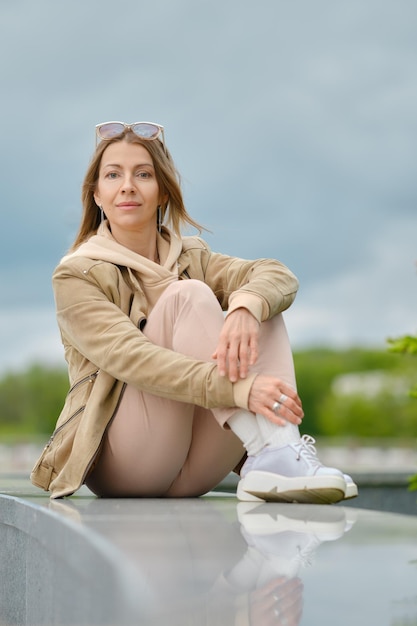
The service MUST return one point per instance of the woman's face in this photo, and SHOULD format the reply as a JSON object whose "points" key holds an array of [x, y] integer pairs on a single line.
{"points": [[127, 189]]}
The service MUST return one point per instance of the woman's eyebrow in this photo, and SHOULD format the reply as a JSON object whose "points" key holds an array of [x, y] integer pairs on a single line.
{"points": [[120, 166]]}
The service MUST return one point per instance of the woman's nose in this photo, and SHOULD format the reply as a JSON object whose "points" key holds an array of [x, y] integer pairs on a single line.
{"points": [[127, 185]]}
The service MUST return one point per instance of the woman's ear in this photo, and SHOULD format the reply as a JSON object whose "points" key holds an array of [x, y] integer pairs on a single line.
{"points": [[97, 199]]}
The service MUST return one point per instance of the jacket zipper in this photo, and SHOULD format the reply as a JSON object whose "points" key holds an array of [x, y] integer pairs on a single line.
{"points": [[90, 378], [90, 463]]}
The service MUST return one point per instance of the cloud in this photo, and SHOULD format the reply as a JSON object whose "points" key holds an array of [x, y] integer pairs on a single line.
{"points": [[29, 337], [292, 123], [364, 304]]}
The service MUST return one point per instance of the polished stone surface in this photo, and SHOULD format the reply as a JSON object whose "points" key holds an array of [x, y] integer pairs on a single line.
{"points": [[209, 561]]}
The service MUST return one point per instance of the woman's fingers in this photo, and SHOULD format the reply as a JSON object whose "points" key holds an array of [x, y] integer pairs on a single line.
{"points": [[276, 400], [283, 414], [237, 348]]}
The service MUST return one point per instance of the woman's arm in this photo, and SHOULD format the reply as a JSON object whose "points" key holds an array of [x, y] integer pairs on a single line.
{"points": [[252, 291], [91, 319], [265, 287]]}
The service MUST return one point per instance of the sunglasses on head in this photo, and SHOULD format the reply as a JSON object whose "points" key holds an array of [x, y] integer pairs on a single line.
{"points": [[145, 130]]}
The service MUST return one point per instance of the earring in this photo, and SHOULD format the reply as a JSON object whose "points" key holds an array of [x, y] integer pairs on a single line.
{"points": [[159, 218], [101, 215]]}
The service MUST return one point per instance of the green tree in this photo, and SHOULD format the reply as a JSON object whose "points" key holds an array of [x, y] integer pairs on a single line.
{"points": [[331, 413], [406, 345], [31, 401]]}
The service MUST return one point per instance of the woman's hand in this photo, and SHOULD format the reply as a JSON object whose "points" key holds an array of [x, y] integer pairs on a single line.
{"points": [[278, 603], [238, 345], [268, 390], [236, 350]]}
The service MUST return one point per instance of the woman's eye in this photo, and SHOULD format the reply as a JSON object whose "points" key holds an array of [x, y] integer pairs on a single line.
{"points": [[143, 174], [111, 175]]}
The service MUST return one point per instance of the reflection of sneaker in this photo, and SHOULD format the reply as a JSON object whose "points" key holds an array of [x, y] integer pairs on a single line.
{"points": [[283, 538], [259, 518], [291, 473]]}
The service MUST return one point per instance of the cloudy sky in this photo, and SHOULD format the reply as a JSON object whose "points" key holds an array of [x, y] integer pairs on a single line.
{"points": [[292, 122]]}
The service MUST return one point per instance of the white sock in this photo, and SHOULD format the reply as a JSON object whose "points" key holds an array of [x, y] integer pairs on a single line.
{"points": [[274, 435], [256, 432], [244, 425]]}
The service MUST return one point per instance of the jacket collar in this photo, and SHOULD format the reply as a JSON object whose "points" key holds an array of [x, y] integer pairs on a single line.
{"points": [[103, 247]]}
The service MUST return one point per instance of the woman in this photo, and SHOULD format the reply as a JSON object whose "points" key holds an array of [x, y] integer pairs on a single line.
{"points": [[167, 394]]}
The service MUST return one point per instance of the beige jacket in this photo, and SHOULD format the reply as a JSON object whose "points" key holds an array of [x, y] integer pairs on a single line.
{"points": [[103, 294]]}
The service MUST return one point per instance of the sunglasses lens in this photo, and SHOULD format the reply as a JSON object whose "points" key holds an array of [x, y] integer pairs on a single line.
{"points": [[108, 131], [147, 131]]}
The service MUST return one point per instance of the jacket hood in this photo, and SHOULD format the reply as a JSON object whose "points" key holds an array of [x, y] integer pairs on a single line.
{"points": [[153, 277], [103, 247]]}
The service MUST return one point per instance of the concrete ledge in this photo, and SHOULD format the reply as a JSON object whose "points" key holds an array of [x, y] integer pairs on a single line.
{"points": [[84, 561], [57, 571]]}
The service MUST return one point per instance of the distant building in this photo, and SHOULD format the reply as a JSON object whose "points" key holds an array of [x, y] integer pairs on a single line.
{"points": [[370, 384]]}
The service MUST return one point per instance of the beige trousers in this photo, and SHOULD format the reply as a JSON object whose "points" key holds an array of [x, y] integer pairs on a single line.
{"points": [[157, 447]]}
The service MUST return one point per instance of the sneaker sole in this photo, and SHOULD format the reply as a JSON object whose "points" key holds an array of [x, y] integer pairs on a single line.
{"points": [[269, 487], [351, 491]]}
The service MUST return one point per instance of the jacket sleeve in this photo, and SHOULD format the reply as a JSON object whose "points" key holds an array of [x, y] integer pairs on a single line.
{"points": [[92, 321], [265, 287]]}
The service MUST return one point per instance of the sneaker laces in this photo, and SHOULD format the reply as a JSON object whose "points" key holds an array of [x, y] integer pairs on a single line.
{"points": [[306, 449]]}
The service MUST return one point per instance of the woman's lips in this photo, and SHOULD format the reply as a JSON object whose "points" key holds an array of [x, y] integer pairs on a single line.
{"points": [[127, 205]]}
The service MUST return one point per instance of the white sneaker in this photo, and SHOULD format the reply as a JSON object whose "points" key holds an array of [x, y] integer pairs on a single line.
{"points": [[291, 473], [351, 487], [285, 537]]}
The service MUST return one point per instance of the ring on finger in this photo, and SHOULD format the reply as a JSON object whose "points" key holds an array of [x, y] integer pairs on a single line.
{"points": [[282, 398], [276, 407]]}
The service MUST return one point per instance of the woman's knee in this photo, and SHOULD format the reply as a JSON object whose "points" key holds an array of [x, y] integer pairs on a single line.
{"points": [[191, 287], [193, 293]]}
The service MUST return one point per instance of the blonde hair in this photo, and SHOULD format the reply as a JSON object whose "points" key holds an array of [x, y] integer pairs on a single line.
{"points": [[168, 179]]}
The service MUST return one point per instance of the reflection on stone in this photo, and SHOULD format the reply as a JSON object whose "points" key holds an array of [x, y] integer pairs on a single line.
{"points": [[281, 541], [212, 561]]}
